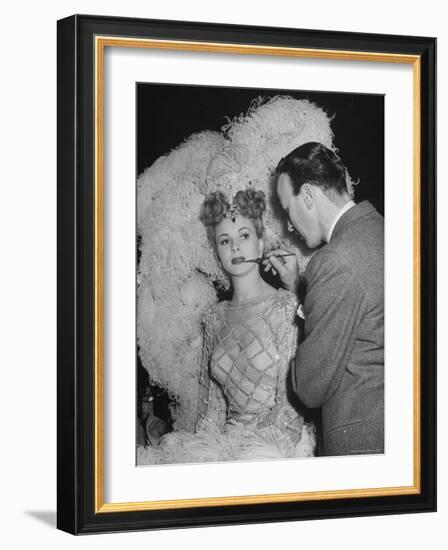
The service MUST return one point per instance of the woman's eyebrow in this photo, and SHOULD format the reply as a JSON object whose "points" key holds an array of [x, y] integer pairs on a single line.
{"points": [[223, 235], [241, 228]]}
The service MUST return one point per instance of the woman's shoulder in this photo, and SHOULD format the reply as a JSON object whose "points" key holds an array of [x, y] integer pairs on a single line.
{"points": [[285, 306], [213, 313], [286, 298]]}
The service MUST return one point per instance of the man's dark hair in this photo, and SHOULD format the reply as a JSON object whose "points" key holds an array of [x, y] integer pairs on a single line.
{"points": [[315, 164]]}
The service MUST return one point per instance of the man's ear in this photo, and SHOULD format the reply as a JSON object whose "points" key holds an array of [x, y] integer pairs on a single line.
{"points": [[308, 194]]}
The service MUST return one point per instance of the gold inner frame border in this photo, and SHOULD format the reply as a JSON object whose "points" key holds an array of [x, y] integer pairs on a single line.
{"points": [[100, 44]]}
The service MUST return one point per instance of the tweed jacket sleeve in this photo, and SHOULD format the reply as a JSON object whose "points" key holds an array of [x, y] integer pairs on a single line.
{"points": [[333, 309]]}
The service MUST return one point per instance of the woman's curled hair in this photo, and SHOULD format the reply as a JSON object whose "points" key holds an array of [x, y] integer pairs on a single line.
{"points": [[248, 203]]}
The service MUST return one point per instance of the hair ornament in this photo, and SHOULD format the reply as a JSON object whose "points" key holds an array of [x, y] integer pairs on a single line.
{"points": [[233, 211]]}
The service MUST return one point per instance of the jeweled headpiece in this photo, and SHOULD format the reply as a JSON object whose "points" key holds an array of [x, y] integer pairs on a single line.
{"points": [[233, 210]]}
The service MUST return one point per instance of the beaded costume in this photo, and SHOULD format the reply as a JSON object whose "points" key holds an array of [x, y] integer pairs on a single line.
{"points": [[244, 410], [248, 346]]}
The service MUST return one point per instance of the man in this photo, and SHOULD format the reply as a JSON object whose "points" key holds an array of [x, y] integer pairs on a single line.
{"points": [[340, 364]]}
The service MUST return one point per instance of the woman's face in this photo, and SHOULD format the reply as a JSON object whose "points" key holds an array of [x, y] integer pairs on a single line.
{"points": [[237, 239]]}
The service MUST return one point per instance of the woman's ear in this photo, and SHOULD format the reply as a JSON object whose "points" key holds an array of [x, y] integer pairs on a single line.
{"points": [[218, 259], [260, 247]]}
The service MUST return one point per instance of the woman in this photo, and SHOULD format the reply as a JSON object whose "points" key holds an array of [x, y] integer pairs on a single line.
{"points": [[243, 410]]}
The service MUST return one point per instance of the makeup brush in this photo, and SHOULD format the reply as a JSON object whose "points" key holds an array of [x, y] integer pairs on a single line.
{"points": [[237, 261]]}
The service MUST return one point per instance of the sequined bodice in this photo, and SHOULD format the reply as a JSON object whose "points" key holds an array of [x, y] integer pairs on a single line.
{"points": [[251, 345]]}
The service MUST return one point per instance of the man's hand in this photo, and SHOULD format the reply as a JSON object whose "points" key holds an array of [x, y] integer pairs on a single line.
{"points": [[286, 266]]}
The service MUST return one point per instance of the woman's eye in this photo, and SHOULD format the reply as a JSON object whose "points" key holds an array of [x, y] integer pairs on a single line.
{"points": [[224, 242], [245, 235]]}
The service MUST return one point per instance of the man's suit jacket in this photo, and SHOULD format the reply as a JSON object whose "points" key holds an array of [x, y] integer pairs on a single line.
{"points": [[340, 364]]}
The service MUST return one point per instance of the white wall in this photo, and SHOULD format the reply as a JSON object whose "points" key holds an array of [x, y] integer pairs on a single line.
{"points": [[28, 271]]}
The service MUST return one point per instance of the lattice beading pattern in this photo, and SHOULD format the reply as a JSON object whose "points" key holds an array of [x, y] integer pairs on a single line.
{"points": [[246, 356]]}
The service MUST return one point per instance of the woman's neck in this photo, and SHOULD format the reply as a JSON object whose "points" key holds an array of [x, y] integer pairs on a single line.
{"points": [[250, 286]]}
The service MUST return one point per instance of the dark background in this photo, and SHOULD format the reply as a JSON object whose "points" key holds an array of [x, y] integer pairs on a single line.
{"points": [[169, 113]]}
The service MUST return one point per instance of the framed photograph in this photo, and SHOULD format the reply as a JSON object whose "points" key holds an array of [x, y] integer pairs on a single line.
{"points": [[246, 274]]}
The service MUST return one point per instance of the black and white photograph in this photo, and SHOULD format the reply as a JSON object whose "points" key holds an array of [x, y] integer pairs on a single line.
{"points": [[245, 263], [260, 274], [206, 343]]}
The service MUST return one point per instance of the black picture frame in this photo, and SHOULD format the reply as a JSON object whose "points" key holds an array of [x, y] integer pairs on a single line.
{"points": [[79, 508]]}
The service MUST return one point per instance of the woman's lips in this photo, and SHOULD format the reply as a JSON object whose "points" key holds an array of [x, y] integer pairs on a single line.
{"points": [[238, 260]]}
